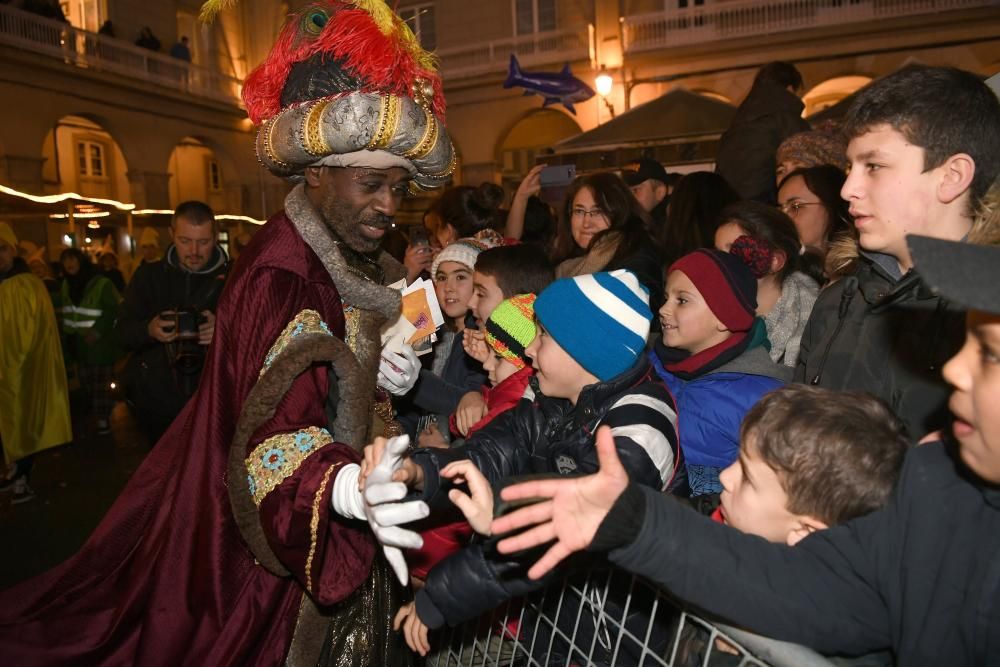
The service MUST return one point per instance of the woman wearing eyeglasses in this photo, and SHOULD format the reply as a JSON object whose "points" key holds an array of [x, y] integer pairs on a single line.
{"points": [[811, 198], [603, 228], [787, 280]]}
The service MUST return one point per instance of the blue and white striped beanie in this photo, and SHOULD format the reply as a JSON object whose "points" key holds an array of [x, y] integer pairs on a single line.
{"points": [[601, 320]]}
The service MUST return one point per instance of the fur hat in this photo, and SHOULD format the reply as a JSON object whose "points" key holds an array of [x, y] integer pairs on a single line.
{"points": [[813, 148]]}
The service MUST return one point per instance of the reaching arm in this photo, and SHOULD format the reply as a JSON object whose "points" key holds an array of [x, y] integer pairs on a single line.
{"points": [[500, 449], [822, 593], [531, 185]]}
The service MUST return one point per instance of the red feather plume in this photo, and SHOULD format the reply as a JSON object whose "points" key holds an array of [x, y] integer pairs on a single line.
{"points": [[382, 61]]}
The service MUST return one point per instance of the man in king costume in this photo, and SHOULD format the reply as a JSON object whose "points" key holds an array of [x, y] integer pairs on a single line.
{"points": [[241, 540]]}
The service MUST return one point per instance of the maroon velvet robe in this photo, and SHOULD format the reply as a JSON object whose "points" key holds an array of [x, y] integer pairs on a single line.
{"points": [[166, 578]]}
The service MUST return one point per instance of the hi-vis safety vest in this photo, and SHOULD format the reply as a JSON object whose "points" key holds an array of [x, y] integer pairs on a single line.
{"points": [[76, 319], [95, 312]]}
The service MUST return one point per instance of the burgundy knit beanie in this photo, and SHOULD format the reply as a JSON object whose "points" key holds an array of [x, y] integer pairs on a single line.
{"points": [[725, 282]]}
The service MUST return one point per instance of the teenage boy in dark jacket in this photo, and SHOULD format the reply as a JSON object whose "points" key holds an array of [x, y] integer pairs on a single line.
{"points": [[924, 149], [590, 370], [920, 577]]}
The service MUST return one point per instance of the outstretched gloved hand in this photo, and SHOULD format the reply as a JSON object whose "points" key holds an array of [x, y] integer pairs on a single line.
{"points": [[398, 372], [380, 505]]}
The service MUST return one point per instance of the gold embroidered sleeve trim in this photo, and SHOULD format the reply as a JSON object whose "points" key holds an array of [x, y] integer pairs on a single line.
{"points": [[306, 322], [277, 458], [314, 524]]}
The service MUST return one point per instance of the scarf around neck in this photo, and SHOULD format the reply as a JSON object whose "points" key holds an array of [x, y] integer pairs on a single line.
{"points": [[688, 366], [596, 259]]}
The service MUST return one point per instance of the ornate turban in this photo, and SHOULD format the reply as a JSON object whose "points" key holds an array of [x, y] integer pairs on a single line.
{"points": [[346, 84]]}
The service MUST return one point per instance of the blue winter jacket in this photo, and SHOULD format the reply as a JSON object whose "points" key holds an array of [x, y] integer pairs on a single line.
{"points": [[711, 407]]}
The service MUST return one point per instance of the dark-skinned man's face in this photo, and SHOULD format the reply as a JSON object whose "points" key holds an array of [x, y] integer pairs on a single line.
{"points": [[358, 204]]}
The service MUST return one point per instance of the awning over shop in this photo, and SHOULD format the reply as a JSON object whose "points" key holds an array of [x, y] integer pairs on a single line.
{"points": [[680, 127]]}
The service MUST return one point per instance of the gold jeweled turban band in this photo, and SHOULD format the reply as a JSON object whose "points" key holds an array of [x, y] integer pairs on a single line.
{"points": [[300, 136]]}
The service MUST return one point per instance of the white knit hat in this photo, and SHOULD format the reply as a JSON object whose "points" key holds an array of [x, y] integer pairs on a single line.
{"points": [[465, 251]]}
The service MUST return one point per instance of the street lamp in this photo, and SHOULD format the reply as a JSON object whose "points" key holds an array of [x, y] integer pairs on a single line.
{"points": [[605, 84]]}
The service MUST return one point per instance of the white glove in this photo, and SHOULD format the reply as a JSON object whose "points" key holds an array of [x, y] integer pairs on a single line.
{"points": [[379, 507], [398, 372]]}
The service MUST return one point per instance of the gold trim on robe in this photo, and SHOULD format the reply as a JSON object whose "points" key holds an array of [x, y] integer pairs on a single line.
{"points": [[277, 458], [314, 523], [306, 322]]}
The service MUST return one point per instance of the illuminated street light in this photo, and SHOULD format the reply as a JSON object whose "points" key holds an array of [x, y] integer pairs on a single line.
{"points": [[604, 83]]}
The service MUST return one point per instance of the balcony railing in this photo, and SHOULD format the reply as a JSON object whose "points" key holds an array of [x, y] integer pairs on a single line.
{"points": [[751, 18], [540, 48], [92, 51]]}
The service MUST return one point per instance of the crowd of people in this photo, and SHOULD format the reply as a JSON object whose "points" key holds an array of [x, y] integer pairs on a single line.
{"points": [[802, 355], [144, 341], [769, 389]]}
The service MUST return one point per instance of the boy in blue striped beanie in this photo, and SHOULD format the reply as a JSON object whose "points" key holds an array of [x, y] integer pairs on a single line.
{"points": [[590, 372], [594, 327]]}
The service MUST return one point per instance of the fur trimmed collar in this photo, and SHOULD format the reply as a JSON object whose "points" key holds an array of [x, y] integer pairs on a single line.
{"points": [[355, 291]]}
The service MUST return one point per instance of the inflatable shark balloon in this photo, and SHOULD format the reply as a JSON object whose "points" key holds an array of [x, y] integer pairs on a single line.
{"points": [[555, 87]]}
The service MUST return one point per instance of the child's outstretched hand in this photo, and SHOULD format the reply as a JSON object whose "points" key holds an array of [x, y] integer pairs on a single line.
{"points": [[471, 409], [474, 342], [477, 508], [414, 631], [569, 511], [405, 471]]}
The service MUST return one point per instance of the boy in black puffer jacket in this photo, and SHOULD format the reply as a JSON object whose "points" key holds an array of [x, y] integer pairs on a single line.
{"points": [[590, 371]]}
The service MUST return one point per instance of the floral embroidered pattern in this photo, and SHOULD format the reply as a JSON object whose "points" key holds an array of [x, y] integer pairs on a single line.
{"points": [[274, 460], [306, 322]]}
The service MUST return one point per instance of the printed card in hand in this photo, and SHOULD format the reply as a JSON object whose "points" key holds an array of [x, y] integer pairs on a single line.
{"points": [[420, 318]]}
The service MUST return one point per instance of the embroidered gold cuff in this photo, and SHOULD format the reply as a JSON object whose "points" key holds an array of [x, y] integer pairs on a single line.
{"points": [[274, 460]]}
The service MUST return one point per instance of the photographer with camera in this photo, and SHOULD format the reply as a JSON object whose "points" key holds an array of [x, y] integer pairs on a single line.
{"points": [[168, 317]]}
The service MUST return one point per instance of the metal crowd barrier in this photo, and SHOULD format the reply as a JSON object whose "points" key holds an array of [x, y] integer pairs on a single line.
{"points": [[606, 618]]}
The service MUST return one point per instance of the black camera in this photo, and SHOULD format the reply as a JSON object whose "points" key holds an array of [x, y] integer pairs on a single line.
{"points": [[185, 322], [186, 355]]}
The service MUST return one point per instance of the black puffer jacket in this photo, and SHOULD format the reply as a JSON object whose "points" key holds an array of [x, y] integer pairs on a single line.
{"points": [[870, 332], [769, 115], [547, 436]]}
